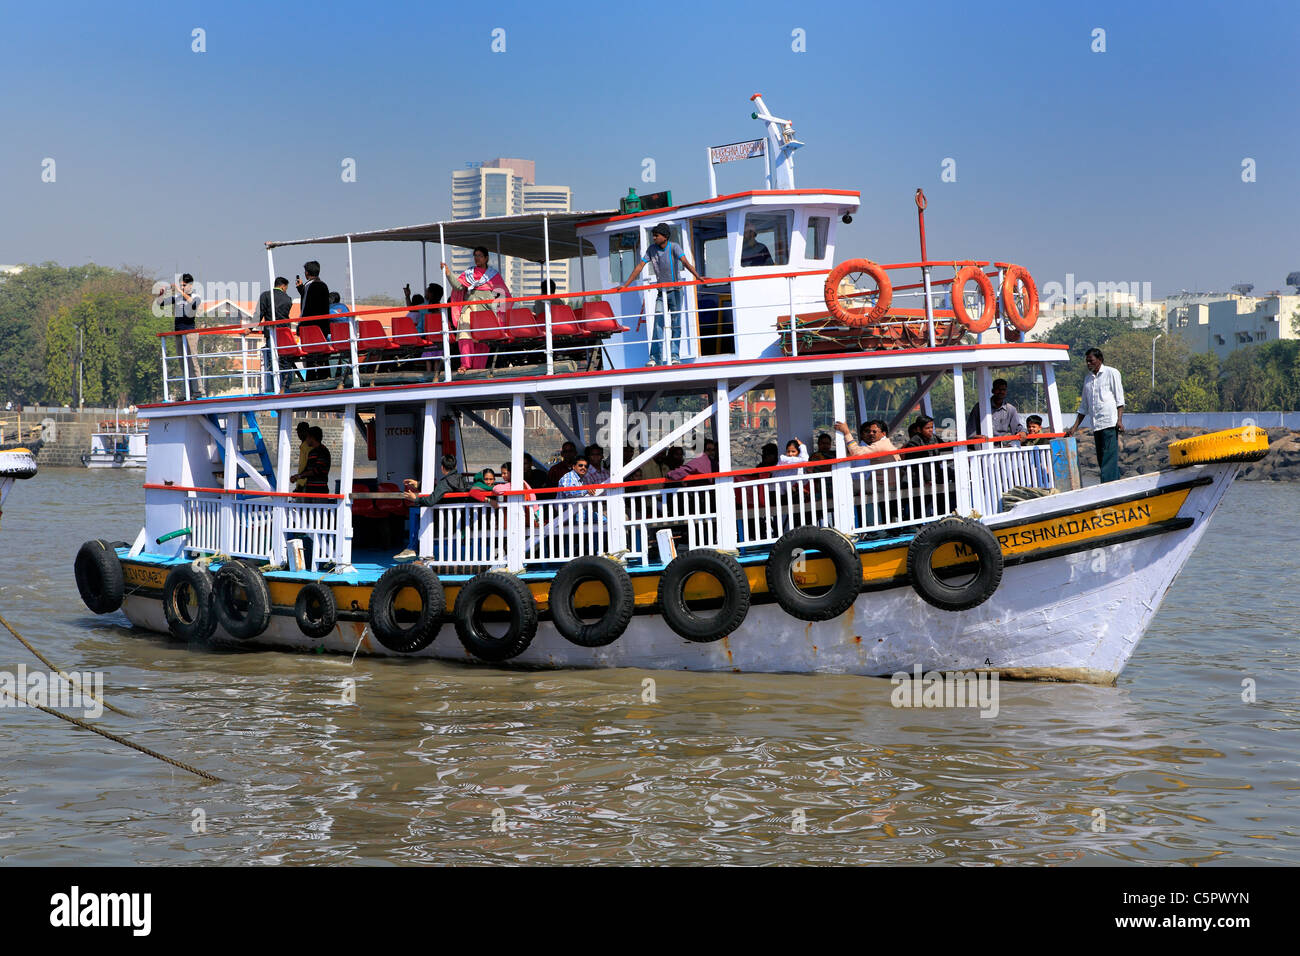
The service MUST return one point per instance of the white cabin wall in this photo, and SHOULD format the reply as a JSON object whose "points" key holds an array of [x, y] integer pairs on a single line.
{"points": [[180, 454]]}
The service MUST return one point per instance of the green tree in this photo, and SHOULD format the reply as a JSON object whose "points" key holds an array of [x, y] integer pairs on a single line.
{"points": [[27, 301], [118, 348], [1203, 370], [1262, 377], [1131, 354], [1080, 333], [1192, 396]]}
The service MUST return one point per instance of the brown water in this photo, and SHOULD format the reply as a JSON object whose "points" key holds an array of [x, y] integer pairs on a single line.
{"points": [[575, 767]]}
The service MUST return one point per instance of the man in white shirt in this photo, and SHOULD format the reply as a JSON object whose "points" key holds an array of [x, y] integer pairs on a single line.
{"points": [[1103, 402]]}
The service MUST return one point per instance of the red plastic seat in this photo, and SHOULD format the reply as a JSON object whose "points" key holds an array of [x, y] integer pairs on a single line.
{"points": [[390, 506], [523, 325], [371, 336], [405, 333], [313, 341], [597, 318], [363, 507], [286, 344], [484, 327], [563, 322]]}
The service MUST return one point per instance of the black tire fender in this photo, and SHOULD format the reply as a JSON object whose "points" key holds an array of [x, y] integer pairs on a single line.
{"points": [[830, 544], [242, 619], [185, 582], [99, 576], [622, 601], [727, 571], [316, 610], [974, 537], [383, 611], [522, 616]]}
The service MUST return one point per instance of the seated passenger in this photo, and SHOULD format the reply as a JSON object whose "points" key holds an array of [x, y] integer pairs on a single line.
{"points": [[336, 304], [796, 452], [704, 464], [924, 435], [1034, 429], [597, 473], [534, 476], [417, 315], [825, 451], [568, 455], [877, 440], [753, 252], [477, 285]]}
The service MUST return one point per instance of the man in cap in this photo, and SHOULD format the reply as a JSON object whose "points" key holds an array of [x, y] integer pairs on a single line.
{"points": [[664, 254]]}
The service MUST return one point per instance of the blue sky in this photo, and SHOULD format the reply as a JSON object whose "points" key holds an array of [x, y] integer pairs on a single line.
{"points": [[1117, 166]]}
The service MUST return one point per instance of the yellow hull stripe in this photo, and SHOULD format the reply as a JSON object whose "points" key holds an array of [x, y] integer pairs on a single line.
{"points": [[878, 567]]}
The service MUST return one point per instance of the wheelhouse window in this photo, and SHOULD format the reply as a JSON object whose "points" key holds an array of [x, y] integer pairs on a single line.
{"points": [[709, 247], [766, 239], [819, 228], [622, 255]]}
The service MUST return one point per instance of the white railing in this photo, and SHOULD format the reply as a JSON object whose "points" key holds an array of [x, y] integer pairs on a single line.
{"points": [[563, 529], [692, 509], [895, 494], [244, 528], [317, 522], [471, 533], [203, 517], [995, 471], [767, 508]]}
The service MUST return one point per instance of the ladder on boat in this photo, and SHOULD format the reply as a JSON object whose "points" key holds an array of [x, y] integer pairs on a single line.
{"points": [[248, 429]]}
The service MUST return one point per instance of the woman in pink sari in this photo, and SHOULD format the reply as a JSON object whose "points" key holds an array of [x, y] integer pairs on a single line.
{"points": [[479, 284]]}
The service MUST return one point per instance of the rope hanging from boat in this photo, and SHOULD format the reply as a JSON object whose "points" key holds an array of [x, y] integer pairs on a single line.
{"points": [[114, 737], [58, 670]]}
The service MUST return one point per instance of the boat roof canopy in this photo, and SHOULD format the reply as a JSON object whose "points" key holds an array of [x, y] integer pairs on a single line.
{"points": [[523, 237]]}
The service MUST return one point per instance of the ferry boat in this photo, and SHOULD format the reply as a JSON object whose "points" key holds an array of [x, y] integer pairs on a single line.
{"points": [[967, 553], [121, 443]]}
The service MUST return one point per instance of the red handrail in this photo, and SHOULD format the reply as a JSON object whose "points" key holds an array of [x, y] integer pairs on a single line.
{"points": [[248, 493], [641, 287]]}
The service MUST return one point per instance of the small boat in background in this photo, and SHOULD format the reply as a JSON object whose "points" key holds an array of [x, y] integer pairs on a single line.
{"points": [[121, 443]]}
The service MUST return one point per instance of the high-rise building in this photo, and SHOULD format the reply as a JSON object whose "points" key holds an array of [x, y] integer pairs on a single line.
{"points": [[506, 187]]}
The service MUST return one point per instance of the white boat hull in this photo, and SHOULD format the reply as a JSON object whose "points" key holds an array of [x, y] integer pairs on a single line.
{"points": [[1074, 617]]}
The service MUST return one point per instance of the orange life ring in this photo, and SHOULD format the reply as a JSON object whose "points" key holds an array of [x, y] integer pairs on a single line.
{"points": [[844, 313], [1012, 278], [966, 274]]}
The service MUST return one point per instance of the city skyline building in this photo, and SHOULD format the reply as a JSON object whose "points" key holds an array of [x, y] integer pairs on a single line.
{"points": [[508, 187]]}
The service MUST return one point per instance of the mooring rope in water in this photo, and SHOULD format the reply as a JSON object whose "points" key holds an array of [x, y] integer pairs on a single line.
{"points": [[114, 737], [58, 670]]}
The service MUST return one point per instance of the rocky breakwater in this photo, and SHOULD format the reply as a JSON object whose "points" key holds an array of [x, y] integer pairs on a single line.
{"points": [[1146, 449]]}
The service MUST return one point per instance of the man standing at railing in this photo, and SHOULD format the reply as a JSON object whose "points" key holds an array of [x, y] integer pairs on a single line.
{"points": [[317, 472], [185, 304], [1103, 402], [1006, 418], [664, 255], [314, 300], [272, 305]]}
